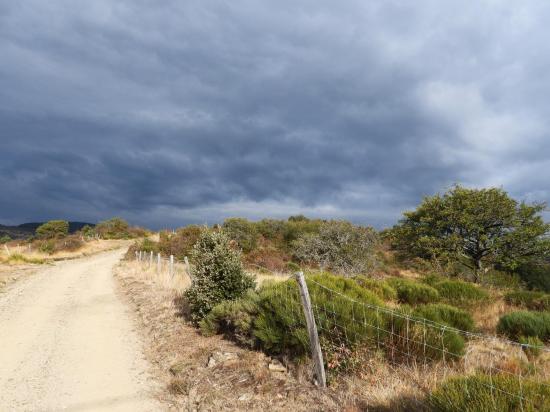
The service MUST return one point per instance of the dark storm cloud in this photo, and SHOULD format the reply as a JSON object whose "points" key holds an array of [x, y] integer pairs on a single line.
{"points": [[193, 111]]}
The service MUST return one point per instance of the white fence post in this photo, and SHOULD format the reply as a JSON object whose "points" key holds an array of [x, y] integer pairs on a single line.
{"points": [[158, 263], [151, 259], [187, 268], [316, 353], [140, 255], [171, 265]]}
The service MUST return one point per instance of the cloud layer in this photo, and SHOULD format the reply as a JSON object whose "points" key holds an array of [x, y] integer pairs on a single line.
{"points": [[177, 112]]}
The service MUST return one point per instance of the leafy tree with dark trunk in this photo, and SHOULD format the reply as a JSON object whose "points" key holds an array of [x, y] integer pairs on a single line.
{"points": [[477, 227], [53, 229]]}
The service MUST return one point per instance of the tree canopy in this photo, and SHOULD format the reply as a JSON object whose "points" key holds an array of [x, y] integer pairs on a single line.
{"points": [[53, 229], [478, 227]]}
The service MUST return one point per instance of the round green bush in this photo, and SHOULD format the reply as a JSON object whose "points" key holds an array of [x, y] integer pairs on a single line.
{"points": [[379, 288], [413, 339], [490, 393], [413, 293], [525, 323], [460, 293], [218, 274], [447, 315]]}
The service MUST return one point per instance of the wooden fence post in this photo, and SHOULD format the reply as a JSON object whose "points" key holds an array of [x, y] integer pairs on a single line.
{"points": [[158, 263], [171, 265], [140, 255], [151, 259], [137, 256], [316, 353]]}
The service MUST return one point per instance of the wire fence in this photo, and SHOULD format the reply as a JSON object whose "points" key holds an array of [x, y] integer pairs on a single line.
{"points": [[349, 329]]}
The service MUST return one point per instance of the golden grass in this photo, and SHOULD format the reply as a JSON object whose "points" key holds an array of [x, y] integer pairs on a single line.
{"points": [[179, 282]]}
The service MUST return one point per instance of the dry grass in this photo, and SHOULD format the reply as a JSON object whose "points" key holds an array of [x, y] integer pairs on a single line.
{"points": [[35, 256]]}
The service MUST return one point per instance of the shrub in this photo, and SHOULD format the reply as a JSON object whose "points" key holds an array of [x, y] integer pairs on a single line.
{"points": [[340, 247], [47, 246], [446, 314], [413, 293], [340, 315], [524, 323], [242, 231], [5, 239], [460, 293], [501, 279], [233, 318], [217, 275], [53, 229], [411, 338], [532, 300], [490, 393], [179, 243], [379, 288]]}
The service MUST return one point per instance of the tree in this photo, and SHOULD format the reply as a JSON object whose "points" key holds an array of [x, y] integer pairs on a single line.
{"points": [[218, 274], [53, 229], [477, 227], [242, 231], [339, 246]]}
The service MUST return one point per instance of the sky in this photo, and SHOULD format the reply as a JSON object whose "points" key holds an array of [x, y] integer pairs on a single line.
{"points": [[176, 112]]}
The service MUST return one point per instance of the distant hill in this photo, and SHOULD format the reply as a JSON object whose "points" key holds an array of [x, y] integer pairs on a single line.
{"points": [[27, 230]]}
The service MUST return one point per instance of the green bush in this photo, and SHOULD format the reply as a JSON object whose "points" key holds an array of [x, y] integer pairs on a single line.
{"points": [[423, 341], [460, 293], [501, 279], [47, 246], [218, 274], [447, 315], [53, 229], [379, 288], [342, 319], [413, 293], [5, 239], [532, 300], [536, 275], [524, 323], [490, 393], [234, 319]]}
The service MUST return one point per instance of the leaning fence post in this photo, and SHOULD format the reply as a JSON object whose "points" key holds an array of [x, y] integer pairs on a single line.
{"points": [[171, 265], [158, 263], [316, 353]]}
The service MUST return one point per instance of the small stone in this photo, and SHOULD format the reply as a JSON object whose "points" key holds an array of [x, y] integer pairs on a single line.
{"points": [[276, 366], [245, 397]]}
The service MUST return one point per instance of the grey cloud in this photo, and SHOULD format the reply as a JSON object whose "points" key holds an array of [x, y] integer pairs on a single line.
{"points": [[195, 111]]}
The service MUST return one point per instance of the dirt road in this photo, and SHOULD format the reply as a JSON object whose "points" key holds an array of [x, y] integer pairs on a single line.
{"points": [[67, 343]]}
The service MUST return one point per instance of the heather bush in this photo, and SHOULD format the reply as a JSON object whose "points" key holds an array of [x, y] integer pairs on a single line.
{"points": [[445, 314], [460, 293], [412, 292], [115, 228], [217, 274], [379, 288], [413, 338], [502, 393], [524, 323], [536, 275]]}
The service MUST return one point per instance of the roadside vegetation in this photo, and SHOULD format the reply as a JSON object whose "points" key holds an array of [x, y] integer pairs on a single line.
{"points": [[468, 263]]}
